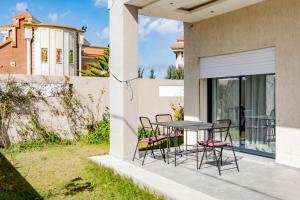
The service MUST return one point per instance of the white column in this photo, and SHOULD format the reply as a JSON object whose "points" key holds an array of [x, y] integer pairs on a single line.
{"points": [[28, 38], [28, 58], [81, 41], [124, 65]]}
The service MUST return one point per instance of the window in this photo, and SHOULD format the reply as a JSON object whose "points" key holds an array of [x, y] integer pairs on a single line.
{"points": [[71, 56], [58, 56], [44, 55]]}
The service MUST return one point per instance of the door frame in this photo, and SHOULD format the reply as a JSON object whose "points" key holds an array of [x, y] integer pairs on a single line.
{"points": [[210, 109]]}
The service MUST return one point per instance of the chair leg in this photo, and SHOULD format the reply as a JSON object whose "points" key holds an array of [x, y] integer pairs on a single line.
{"points": [[218, 161], [221, 156], [167, 150], [169, 144], [145, 154], [162, 151], [137, 145], [215, 155], [235, 158], [152, 152], [179, 146], [204, 153]]}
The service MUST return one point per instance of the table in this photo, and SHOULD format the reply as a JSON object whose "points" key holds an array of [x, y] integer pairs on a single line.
{"points": [[187, 126]]}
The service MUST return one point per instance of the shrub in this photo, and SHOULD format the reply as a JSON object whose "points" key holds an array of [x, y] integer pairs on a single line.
{"points": [[38, 143], [101, 134], [53, 138], [178, 112], [143, 133]]}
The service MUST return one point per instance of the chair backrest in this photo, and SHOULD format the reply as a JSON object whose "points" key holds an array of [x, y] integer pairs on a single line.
{"points": [[222, 127], [147, 125], [163, 118]]}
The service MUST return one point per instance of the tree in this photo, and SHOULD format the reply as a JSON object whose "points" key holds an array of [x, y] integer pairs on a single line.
{"points": [[171, 72], [180, 73], [99, 68], [152, 74], [141, 72], [175, 73]]}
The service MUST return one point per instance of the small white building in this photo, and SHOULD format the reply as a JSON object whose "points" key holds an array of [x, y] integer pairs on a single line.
{"points": [[178, 49]]}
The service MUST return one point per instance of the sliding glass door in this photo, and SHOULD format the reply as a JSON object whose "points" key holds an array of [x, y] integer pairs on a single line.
{"points": [[249, 101], [226, 101]]}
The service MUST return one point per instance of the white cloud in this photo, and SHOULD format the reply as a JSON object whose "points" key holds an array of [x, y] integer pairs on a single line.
{"points": [[148, 25], [54, 17], [104, 34], [65, 13], [21, 6], [99, 3]]}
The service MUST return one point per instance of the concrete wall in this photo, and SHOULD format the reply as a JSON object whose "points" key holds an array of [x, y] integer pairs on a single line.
{"points": [[272, 23], [93, 94], [151, 102]]}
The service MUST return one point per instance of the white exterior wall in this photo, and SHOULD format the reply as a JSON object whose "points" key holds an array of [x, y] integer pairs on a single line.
{"points": [[52, 39], [179, 58], [268, 24]]}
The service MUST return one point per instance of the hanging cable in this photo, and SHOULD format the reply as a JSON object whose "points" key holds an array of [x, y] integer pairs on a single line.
{"points": [[127, 82]]}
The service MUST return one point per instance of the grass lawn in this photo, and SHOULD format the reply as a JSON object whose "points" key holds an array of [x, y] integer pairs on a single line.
{"points": [[63, 172]]}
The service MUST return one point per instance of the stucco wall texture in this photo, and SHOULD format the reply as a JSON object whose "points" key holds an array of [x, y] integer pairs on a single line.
{"points": [[272, 23]]}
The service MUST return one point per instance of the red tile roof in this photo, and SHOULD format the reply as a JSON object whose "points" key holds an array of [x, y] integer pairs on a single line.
{"points": [[5, 42], [179, 45], [6, 25], [24, 15], [93, 51]]}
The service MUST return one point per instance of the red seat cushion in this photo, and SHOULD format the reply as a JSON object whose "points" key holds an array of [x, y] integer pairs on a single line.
{"points": [[215, 143], [154, 138]]}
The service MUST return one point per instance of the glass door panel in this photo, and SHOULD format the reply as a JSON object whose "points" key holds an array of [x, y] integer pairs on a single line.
{"points": [[258, 105], [225, 98]]}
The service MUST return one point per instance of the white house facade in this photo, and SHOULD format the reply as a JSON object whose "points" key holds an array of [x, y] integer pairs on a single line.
{"points": [[55, 51]]}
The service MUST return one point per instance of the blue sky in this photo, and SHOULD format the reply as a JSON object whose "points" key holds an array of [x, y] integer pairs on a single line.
{"points": [[156, 35]]}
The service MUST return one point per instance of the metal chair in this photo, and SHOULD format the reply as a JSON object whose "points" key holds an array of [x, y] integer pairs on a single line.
{"points": [[169, 133], [211, 143], [151, 139]]}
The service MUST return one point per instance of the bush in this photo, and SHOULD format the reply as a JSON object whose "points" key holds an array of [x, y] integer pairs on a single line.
{"points": [[101, 134], [178, 112], [143, 133], [53, 138], [27, 144]]}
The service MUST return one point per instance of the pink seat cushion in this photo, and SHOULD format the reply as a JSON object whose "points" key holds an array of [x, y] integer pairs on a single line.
{"points": [[215, 143], [154, 138]]}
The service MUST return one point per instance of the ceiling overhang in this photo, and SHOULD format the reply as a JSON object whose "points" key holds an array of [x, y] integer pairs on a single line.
{"points": [[188, 10]]}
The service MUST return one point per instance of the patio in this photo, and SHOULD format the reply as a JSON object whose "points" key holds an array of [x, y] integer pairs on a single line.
{"points": [[259, 178]]}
